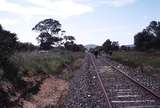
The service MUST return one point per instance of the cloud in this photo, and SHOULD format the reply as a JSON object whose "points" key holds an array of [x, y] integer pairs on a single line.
{"points": [[117, 3], [57, 8], [60, 8], [122, 2]]}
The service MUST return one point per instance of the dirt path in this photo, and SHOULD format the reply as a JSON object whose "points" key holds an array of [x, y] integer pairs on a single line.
{"points": [[51, 93]]}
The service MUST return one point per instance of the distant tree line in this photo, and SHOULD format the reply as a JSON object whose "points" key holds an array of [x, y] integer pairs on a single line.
{"points": [[107, 47], [149, 38], [25, 46]]}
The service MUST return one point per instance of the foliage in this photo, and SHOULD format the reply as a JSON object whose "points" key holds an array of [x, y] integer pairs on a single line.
{"points": [[48, 37], [8, 42], [48, 26], [125, 48], [144, 41], [135, 58], [97, 50], [74, 47], [109, 46], [71, 46], [80, 48], [25, 47], [45, 40], [69, 38], [149, 38], [52, 62], [49, 30], [115, 46], [78, 58]]}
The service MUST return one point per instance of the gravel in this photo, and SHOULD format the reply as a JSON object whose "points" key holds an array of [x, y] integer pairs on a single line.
{"points": [[85, 91], [143, 78], [122, 92]]}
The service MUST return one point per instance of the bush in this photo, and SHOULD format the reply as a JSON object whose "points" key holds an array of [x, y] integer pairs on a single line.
{"points": [[8, 42]]}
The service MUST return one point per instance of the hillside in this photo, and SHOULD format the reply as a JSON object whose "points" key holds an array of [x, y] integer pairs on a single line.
{"points": [[90, 46]]}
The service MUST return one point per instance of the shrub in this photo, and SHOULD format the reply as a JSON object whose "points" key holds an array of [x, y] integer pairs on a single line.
{"points": [[8, 43]]}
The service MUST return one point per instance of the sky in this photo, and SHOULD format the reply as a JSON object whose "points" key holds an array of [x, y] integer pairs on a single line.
{"points": [[90, 21]]}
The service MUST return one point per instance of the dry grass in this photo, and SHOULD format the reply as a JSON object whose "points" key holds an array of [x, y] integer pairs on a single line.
{"points": [[134, 58], [69, 72], [52, 62]]}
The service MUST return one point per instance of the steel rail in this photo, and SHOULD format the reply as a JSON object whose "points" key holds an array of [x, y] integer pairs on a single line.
{"points": [[101, 83], [133, 80]]}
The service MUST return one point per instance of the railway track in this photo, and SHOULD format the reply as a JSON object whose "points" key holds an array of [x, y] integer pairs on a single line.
{"points": [[121, 91], [101, 83], [149, 81]]}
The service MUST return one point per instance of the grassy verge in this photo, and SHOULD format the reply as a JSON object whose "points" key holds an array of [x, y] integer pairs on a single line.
{"points": [[52, 62], [134, 58]]}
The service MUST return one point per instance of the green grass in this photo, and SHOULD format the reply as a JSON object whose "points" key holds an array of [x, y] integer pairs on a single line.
{"points": [[135, 58], [30, 63]]}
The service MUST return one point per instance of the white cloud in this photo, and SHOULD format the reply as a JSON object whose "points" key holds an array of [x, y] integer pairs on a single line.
{"points": [[60, 8], [122, 2], [117, 3]]}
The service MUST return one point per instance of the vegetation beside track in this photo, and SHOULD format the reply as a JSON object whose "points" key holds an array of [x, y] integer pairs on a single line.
{"points": [[34, 67], [135, 58], [148, 63], [51, 62]]}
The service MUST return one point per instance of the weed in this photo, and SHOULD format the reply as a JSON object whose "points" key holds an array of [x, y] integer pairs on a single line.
{"points": [[34, 62], [135, 58]]}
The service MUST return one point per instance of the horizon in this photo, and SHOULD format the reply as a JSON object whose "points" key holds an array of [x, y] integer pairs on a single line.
{"points": [[90, 21]]}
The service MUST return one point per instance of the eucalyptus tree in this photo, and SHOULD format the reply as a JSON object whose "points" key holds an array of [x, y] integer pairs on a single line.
{"points": [[49, 30]]}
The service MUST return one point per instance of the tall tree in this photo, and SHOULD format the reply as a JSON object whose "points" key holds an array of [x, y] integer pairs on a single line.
{"points": [[154, 29], [45, 40], [49, 30], [115, 45], [107, 45], [144, 40], [149, 38], [49, 26]]}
